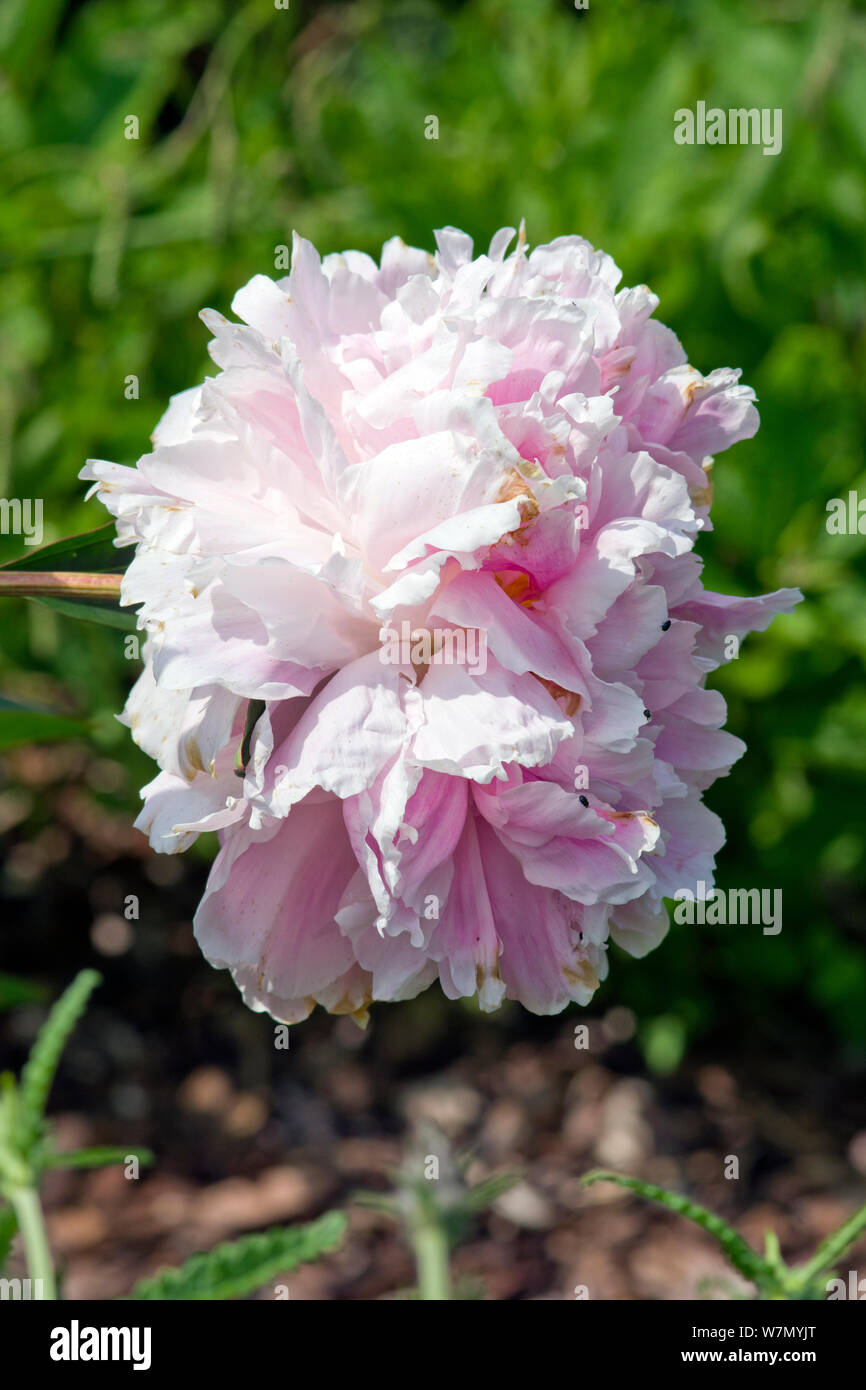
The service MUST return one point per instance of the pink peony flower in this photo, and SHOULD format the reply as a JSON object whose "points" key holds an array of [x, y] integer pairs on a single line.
{"points": [[394, 467]]}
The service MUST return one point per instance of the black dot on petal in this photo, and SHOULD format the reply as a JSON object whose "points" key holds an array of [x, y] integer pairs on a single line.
{"points": [[666, 625], [647, 714], [584, 801]]}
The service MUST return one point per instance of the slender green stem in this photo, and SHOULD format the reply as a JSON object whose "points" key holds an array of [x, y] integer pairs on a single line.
{"points": [[832, 1248], [432, 1260], [31, 1224]]}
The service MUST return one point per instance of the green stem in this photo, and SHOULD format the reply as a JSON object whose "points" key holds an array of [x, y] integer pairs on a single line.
{"points": [[432, 1261], [831, 1249], [31, 1224]]}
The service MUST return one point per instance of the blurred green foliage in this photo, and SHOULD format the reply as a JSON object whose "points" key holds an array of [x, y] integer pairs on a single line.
{"points": [[254, 120]]}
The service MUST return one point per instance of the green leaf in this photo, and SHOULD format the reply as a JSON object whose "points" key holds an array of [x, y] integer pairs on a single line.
{"points": [[38, 1073], [384, 1202], [14, 991], [255, 710], [8, 1230], [489, 1190], [23, 725], [738, 1251], [90, 551], [96, 1158], [92, 610], [241, 1266]]}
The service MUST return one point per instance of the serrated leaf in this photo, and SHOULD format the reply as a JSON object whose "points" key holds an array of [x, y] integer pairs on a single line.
{"points": [[740, 1254], [832, 1248], [38, 1072], [241, 1266]]}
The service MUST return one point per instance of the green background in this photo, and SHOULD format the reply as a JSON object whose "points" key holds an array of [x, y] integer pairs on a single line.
{"points": [[256, 120]]}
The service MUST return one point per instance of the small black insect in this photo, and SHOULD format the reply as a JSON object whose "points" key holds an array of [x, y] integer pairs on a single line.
{"points": [[666, 624], [584, 801], [647, 714]]}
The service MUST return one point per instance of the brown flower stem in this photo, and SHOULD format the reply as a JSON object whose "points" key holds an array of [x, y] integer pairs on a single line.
{"points": [[59, 583]]}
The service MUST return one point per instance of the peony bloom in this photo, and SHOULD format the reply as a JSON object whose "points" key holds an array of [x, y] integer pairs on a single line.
{"points": [[426, 636]]}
